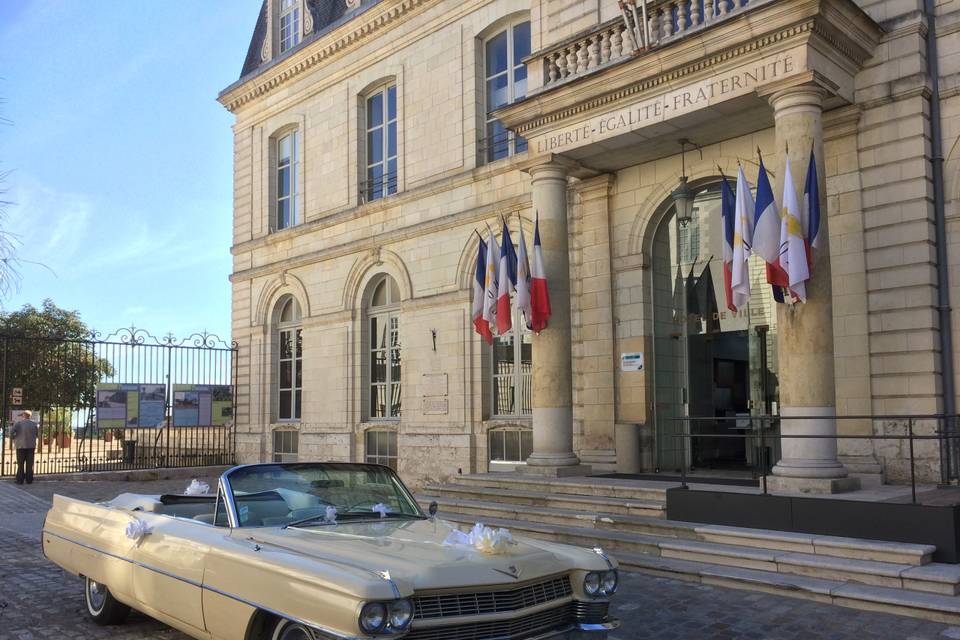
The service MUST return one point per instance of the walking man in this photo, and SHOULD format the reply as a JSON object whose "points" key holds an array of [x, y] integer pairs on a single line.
{"points": [[24, 435]]}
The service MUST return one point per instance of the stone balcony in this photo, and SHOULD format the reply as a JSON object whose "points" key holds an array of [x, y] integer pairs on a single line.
{"points": [[612, 42]]}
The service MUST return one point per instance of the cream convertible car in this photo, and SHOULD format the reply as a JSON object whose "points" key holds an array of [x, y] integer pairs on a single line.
{"points": [[316, 551]]}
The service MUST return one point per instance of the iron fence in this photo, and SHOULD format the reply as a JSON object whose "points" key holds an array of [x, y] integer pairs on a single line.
{"points": [[127, 400], [937, 429]]}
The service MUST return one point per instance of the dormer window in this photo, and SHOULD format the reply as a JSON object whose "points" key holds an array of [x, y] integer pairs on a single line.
{"points": [[289, 24]]}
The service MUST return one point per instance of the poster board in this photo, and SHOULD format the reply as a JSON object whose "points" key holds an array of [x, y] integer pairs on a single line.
{"points": [[122, 406], [202, 404]]}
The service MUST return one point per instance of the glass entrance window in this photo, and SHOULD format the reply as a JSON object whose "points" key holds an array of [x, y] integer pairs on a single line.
{"points": [[512, 371], [711, 365]]}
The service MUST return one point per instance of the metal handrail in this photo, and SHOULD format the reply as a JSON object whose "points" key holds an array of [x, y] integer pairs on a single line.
{"points": [[940, 435]]}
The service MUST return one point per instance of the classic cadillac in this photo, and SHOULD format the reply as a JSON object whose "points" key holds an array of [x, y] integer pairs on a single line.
{"points": [[317, 551]]}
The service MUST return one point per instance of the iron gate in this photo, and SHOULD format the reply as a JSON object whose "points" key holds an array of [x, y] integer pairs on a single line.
{"points": [[125, 401]]}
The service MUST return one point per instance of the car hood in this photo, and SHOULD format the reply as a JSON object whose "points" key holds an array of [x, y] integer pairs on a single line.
{"points": [[413, 552]]}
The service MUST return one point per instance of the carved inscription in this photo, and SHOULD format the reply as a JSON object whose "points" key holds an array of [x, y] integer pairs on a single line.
{"points": [[434, 406], [690, 98], [433, 384]]}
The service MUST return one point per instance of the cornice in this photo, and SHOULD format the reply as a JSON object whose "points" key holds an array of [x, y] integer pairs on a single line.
{"points": [[360, 29]]}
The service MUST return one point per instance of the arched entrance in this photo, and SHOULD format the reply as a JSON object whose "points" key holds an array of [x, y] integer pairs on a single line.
{"points": [[710, 364]]}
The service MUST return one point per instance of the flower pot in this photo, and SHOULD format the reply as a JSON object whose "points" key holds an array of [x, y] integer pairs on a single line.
{"points": [[108, 436], [63, 440]]}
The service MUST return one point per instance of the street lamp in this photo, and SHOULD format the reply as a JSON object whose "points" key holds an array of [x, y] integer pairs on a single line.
{"points": [[683, 195]]}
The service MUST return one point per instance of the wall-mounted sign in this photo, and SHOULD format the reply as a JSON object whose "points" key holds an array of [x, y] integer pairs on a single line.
{"points": [[16, 396], [631, 361]]}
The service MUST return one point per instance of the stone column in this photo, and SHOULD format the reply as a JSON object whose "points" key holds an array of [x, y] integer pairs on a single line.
{"points": [[552, 371], [805, 331]]}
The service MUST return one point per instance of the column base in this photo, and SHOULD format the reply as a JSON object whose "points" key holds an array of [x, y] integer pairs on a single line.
{"points": [[821, 486], [555, 471]]}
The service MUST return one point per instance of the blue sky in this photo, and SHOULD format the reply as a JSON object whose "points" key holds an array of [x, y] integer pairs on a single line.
{"points": [[120, 156]]}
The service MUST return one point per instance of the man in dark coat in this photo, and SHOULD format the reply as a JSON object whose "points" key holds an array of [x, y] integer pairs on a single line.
{"points": [[24, 436]]}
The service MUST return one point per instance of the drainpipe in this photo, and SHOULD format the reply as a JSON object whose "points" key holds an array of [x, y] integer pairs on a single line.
{"points": [[948, 454]]}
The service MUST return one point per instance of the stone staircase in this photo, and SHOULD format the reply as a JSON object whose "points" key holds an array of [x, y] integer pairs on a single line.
{"points": [[629, 520]]}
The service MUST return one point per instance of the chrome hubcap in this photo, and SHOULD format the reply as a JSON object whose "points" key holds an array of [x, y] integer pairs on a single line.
{"points": [[295, 631], [96, 596]]}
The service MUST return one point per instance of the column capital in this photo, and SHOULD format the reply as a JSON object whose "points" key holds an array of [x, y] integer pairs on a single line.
{"points": [[810, 85], [552, 165], [596, 187]]}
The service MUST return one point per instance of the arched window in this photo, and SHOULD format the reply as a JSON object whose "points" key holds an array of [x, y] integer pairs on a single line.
{"points": [[289, 360], [505, 81], [384, 349], [286, 181], [512, 370]]}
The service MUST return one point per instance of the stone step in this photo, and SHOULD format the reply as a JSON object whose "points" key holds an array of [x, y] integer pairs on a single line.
{"points": [[855, 548], [583, 486], [929, 606], [544, 499], [480, 509], [932, 578]]}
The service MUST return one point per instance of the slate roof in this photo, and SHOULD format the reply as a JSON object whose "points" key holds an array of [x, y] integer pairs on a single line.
{"points": [[324, 12]]}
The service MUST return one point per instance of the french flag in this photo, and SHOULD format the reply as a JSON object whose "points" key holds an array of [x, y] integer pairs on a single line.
{"points": [[523, 280], [507, 281], [727, 204], [479, 322], [766, 233], [539, 295], [811, 210], [742, 242]]}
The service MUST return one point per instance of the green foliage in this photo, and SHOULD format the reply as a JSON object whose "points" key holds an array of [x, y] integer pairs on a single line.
{"points": [[47, 354]]}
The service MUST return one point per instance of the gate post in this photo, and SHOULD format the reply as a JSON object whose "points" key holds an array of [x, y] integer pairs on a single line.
{"points": [[3, 420]]}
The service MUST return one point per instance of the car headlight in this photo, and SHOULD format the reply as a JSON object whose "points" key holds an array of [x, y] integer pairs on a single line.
{"points": [[401, 612], [591, 583], [386, 617], [373, 617], [609, 582]]}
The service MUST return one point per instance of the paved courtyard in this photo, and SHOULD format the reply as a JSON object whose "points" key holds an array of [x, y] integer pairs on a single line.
{"points": [[37, 600]]}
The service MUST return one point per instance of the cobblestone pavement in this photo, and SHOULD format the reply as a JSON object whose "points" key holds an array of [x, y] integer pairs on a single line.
{"points": [[38, 600]]}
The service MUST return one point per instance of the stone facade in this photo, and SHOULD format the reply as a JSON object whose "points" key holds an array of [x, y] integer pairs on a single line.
{"points": [[867, 63]]}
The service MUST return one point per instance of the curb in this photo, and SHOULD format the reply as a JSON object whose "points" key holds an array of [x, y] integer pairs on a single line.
{"points": [[136, 474]]}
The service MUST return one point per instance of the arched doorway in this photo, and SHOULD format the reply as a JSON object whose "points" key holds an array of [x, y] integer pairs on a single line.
{"points": [[711, 365]]}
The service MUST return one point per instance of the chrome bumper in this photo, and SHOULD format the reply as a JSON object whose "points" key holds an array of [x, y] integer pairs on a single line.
{"points": [[582, 631]]}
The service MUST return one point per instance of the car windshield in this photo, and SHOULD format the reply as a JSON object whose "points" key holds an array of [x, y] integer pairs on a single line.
{"points": [[281, 494]]}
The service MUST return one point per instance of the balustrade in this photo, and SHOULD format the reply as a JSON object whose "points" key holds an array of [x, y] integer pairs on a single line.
{"points": [[666, 20]]}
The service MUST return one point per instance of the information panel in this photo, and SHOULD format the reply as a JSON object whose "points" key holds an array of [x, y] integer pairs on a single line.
{"points": [[131, 405], [202, 404]]}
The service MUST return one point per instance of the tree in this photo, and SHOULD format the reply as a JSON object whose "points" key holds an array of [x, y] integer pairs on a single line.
{"points": [[48, 353]]}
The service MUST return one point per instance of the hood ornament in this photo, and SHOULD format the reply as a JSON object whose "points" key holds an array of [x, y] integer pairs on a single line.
{"points": [[513, 571]]}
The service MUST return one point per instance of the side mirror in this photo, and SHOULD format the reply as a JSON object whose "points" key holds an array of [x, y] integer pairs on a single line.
{"points": [[432, 509]]}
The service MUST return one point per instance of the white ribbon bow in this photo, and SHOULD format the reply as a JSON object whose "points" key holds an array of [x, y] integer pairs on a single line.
{"points": [[482, 538], [331, 515], [197, 488], [136, 530], [382, 509]]}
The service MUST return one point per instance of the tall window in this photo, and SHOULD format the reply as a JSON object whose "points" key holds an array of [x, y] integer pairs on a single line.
{"points": [[289, 362], [289, 24], [506, 82], [384, 350], [513, 371], [287, 181], [381, 156], [381, 448], [286, 445]]}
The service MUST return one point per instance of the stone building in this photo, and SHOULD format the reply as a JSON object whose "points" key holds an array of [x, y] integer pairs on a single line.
{"points": [[375, 139]]}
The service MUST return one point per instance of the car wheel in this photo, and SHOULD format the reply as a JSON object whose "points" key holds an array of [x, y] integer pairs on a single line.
{"points": [[289, 630], [101, 605]]}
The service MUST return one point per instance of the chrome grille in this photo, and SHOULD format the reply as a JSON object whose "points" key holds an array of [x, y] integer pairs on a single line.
{"points": [[591, 612], [471, 604], [516, 629]]}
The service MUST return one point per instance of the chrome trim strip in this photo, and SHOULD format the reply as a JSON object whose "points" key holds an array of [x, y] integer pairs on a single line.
{"points": [[609, 625], [223, 486], [600, 552], [313, 625]]}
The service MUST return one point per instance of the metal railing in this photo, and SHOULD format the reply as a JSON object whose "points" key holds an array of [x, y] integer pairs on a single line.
{"points": [[762, 427], [125, 401]]}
